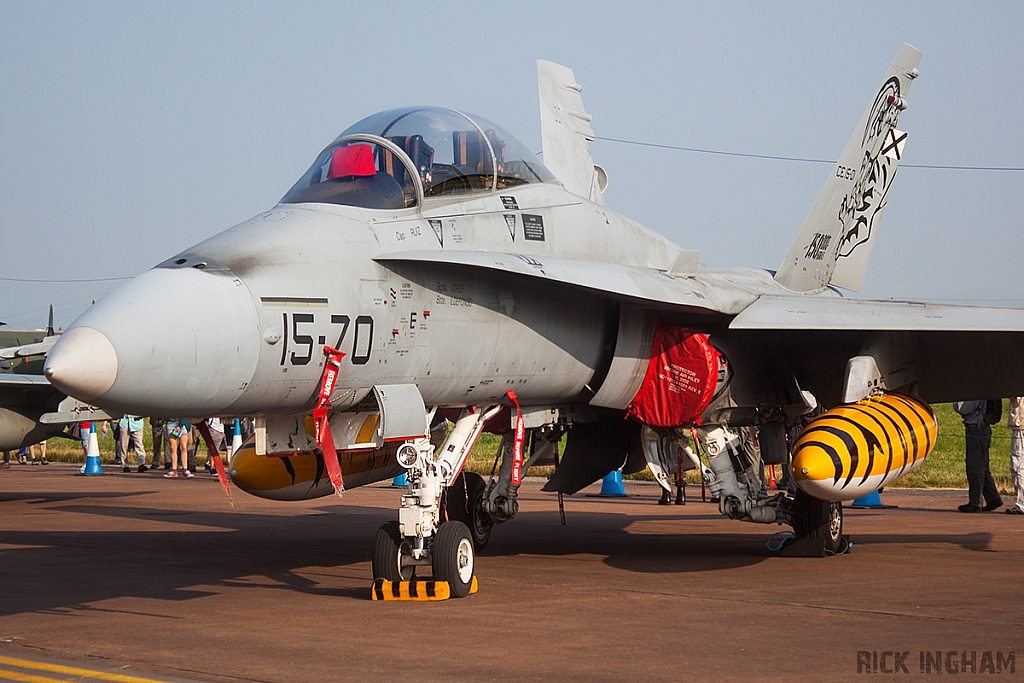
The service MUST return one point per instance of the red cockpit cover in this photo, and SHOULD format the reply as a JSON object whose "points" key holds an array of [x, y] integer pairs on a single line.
{"points": [[680, 381], [352, 160]]}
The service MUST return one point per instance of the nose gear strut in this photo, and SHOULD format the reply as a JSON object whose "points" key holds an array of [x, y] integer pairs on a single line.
{"points": [[422, 537]]}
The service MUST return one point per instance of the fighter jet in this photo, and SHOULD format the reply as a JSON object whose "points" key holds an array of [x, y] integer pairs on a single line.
{"points": [[26, 396], [429, 268]]}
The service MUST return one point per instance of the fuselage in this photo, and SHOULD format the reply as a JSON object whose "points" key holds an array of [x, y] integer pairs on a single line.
{"points": [[245, 314]]}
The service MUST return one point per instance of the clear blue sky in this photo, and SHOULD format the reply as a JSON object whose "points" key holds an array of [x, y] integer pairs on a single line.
{"points": [[130, 131]]}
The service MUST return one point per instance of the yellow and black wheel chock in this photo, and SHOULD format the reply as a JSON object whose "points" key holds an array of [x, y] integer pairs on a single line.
{"points": [[415, 590]]}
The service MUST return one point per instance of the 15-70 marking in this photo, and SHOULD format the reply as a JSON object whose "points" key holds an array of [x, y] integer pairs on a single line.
{"points": [[304, 347]]}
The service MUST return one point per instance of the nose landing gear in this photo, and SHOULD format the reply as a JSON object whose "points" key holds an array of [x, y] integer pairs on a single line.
{"points": [[454, 558], [422, 536]]}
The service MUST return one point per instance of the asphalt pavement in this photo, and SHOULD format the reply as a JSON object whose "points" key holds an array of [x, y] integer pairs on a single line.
{"points": [[134, 575]]}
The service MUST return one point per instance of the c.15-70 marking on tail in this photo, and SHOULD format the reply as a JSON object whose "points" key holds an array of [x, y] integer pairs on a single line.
{"points": [[304, 346]]}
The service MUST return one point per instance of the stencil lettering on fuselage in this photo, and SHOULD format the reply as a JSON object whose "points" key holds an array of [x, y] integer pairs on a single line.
{"points": [[818, 247], [438, 229], [510, 221], [533, 227]]}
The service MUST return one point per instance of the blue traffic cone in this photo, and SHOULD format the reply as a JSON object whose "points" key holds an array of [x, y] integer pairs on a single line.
{"points": [[401, 481], [611, 485], [92, 459], [872, 500]]}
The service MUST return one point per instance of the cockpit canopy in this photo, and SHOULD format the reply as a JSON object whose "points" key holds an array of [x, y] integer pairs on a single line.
{"points": [[394, 159]]}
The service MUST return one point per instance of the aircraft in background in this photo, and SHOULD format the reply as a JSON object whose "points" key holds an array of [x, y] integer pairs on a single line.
{"points": [[25, 394], [23, 351], [427, 267]]}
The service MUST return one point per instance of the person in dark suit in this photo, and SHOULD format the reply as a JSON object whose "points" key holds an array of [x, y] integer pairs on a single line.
{"points": [[978, 417]]}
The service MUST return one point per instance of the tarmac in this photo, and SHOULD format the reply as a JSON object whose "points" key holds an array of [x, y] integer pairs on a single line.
{"points": [[133, 577]]}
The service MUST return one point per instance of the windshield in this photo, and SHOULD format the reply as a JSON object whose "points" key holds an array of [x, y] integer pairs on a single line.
{"points": [[355, 173], [451, 153]]}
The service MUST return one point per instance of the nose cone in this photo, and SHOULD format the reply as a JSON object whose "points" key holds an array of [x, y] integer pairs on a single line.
{"points": [[83, 364], [173, 342]]}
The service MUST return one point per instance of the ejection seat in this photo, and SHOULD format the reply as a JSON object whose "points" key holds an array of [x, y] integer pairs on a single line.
{"points": [[422, 156]]}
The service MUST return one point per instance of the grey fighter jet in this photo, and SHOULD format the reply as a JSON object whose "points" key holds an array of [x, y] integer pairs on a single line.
{"points": [[427, 267]]}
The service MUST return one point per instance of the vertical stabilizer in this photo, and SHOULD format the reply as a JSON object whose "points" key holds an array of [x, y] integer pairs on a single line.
{"points": [[836, 239], [565, 131]]}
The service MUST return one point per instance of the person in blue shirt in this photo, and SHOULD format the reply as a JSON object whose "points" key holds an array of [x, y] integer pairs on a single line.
{"points": [[129, 437]]}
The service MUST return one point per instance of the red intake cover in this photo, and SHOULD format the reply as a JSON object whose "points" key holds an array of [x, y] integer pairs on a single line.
{"points": [[680, 381]]}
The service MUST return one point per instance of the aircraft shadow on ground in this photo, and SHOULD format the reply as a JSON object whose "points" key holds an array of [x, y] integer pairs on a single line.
{"points": [[66, 570], [58, 497], [980, 541]]}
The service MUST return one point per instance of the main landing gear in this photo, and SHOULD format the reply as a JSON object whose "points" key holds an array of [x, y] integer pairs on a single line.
{"points": [[820, 522], [817, 524]]}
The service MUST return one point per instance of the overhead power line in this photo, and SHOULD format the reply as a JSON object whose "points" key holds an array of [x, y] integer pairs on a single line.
{"points": [[91, 279], [773, 157]]}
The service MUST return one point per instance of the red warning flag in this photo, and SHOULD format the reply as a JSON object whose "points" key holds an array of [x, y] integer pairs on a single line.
{"points": [[681, 378], [324, 438], [517, 440]]}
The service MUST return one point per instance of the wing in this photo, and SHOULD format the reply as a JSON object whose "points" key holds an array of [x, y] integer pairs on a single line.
{"points": [[26, 350], [941, 352], [819, 313], [17, 390], [654, 288]]}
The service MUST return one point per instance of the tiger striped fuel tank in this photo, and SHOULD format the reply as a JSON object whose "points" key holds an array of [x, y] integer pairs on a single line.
{"points": [[303, 476], [852, 450]]}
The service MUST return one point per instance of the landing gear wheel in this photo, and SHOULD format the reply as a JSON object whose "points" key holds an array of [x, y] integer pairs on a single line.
{"points": [[456, 506], [814, 518], [453, 557], [389, 547]]}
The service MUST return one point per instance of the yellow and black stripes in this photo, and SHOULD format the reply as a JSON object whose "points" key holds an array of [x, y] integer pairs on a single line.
{"points": [[856, 448], [301, 475], [415, 590]]}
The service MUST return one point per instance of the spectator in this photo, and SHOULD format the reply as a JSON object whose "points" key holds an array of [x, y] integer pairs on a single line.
{"points": [[191, 440], [177, 438], [978, 417], [1015, 421], [42, 454], [229, 436], [31, 452], [116, 426], [129, 433], [217, 432], [83, 433], [7, 461], [160, 449]]}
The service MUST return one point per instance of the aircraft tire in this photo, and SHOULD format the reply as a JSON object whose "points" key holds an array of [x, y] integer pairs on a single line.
{"points": [[388, 548], [453, 557], [815, 518], [476, 520]]}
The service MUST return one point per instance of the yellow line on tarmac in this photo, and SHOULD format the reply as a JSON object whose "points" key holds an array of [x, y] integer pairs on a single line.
{"points": [[59, 669], [26, 678]]}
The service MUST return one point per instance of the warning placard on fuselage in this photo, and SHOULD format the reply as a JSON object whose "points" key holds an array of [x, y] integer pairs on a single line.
{"points": [[533, 227]]}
